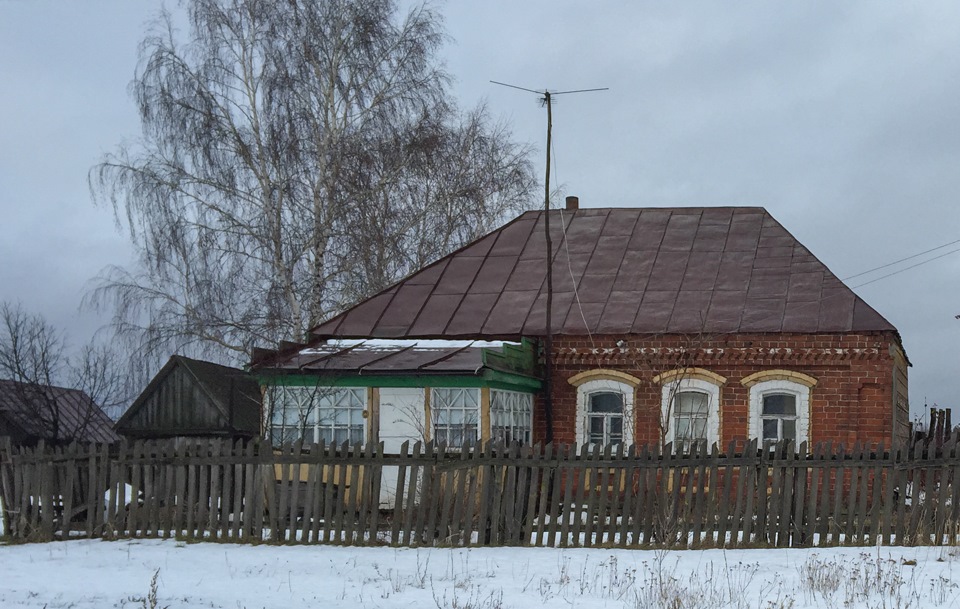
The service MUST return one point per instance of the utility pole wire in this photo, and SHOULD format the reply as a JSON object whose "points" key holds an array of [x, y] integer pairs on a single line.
{"points": [[546, 99]]}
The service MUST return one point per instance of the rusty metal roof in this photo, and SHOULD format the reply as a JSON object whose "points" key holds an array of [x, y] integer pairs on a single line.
{"points": [[385, 359], [717, 270], [32, 408]]}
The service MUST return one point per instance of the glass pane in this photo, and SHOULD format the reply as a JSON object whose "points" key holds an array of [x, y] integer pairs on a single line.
{"points": [[616, 426], [698, 428], [691, 402], [596, 426], [770, 431], [789, 429], [606, 402], [683, 428], [780, 403]]}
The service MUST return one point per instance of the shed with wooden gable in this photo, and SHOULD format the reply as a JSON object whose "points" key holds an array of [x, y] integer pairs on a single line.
{"points": [[193, 398]]}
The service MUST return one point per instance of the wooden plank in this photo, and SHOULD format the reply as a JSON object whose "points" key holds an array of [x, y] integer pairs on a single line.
{"points": [[291, 514], [309, 496], [593, 491], [640, 496], [463, 497], [712, 498], [556, 511], [835, 518], [528, 496], [546, 491], [423, 506], [343, 498], [505, 507], [601, 493], [217, 515], [774, 492], [243, 510], [70, 481], [445, 505], [203, 490], [568, 477], [234, 512], [724, 501], [942, 506], [815, 476], [752, 488], [497, 489], [696, 501], [468, 501], [136, 474], [796, 529], [874, 530], [376, 479], [853, 471], [615, 487], [912, 491], [485, 507], [862, 497], [891, 497], [397, 520], [368, 501], [786, 495], [191, 505], [580, 467], [409, 520], [180, 510], [823, 527], [656, 482], [222, 504], [262, 485], [626, 488], [436, 495]]}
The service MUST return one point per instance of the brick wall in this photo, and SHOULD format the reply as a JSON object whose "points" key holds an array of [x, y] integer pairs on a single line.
{"points": [[852, 400]]}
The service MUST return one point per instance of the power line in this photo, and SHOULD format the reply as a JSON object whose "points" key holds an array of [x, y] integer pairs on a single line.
{"points": [[912, 266], [895, 262]]}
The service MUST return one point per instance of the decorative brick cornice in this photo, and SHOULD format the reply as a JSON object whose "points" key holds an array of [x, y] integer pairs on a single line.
{"points": [[672, 355]]}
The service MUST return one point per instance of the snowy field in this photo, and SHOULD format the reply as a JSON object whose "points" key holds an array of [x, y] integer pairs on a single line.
{"points": [[82, 574]]}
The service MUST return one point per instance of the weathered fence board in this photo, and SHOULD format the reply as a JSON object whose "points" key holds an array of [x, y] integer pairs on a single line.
{"points": [[555, 495]]}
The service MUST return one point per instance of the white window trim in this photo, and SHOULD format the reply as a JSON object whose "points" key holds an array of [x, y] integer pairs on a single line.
{"points": [[712, 390], [802, 393], [305, 397], [585, 389]]}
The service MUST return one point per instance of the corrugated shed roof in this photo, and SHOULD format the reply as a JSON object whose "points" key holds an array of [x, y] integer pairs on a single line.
{"points": [[716, 270], [365, 360], [26, 406]]}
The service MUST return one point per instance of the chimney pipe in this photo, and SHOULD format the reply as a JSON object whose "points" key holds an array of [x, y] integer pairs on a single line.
{"points": [[573, 203]]}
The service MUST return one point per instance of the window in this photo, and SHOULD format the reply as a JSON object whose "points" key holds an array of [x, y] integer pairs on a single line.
{"points": [[334, 415], [455, 414], [778, 417], [691, 413], [511, 416], [604, 412], [780, 407], [605, 418]]}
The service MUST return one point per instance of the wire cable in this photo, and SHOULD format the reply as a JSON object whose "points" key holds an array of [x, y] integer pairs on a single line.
{"points": [[889, 264]]}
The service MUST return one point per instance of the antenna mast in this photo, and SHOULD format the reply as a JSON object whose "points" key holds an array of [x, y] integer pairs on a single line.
{"points": [[546, 99]]}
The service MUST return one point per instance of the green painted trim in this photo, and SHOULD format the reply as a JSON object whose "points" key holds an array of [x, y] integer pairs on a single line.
{"points": [[489, 378]]}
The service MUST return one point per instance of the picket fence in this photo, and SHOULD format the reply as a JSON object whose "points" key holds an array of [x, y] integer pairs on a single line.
{"points": [[491, 495]]}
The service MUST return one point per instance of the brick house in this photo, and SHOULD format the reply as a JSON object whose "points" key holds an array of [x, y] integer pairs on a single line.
{"points": [[690, 325]]}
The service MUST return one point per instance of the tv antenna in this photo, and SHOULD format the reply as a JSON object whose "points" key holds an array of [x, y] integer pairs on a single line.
{"points": [[546, 99]]}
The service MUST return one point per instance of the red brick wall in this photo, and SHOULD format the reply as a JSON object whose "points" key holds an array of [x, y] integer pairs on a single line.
{"points": [[852, 400]]}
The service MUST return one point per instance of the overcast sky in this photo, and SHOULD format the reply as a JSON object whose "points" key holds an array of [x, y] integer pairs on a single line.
{"points": [[840, 118]]}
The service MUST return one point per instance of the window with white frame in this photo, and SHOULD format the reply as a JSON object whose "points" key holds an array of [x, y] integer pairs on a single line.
{"points": [[779, 410], [331, 414], [455, 414], [690, 413], [511, 416], [604, 412]]}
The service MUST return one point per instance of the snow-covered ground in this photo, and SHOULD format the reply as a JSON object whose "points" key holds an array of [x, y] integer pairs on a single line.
{"points": [[82, 574]]}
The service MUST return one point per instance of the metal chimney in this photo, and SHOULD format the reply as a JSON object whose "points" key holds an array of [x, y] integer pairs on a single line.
{"points": [[573, 203]]}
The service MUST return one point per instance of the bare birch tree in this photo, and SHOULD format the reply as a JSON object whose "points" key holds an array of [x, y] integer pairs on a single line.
{"points": [[295, 157]]}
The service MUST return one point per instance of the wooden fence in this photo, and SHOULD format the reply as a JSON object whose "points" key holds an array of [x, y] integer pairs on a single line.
{"points": [[770, 495]]}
